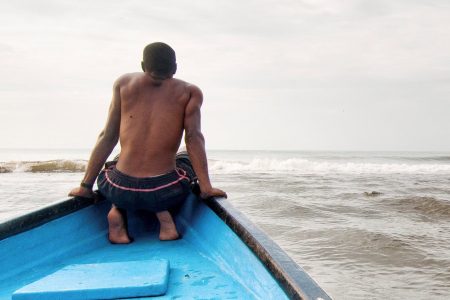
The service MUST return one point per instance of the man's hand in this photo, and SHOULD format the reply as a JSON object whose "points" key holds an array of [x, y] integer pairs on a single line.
{"points": [[106, 142], [82, 192], [213, 192]]}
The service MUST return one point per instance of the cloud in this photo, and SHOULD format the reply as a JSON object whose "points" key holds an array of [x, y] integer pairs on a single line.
{"points": [[325, 51]]}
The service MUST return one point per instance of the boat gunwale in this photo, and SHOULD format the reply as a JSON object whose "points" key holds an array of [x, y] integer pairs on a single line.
{"points": [[42, 215], [286, 272]]}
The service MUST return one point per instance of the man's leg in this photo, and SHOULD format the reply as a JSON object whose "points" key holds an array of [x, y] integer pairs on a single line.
{"points": [[167, 231], [117, 228]]}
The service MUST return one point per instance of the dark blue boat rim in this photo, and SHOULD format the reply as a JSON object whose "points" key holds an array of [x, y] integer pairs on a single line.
{"points": [[292, 278], [41, 216]]}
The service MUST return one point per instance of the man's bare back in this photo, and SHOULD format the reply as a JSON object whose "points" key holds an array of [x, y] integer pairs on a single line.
{"points": [[152, 123], [149, 112]]}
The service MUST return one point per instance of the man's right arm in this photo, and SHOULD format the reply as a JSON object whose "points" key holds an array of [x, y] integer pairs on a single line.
{"points": [[195, 143], [106, 142]]}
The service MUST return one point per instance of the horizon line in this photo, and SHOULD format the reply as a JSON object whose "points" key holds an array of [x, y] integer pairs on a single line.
{"points": [[246, 150]]}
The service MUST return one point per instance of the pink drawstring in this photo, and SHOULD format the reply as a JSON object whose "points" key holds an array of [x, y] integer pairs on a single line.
{"points": [[182, 176]]}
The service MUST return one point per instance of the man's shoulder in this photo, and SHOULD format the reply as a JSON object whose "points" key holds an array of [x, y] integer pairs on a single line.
{"points": [[190, 87], [195, 92], [127, 77], [184, 83]]}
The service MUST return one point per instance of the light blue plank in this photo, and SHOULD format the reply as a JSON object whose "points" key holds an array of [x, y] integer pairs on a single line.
{"points": [[100, 281]]}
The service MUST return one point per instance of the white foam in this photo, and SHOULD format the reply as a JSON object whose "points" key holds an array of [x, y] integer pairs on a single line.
{"points": [[305, 166]]}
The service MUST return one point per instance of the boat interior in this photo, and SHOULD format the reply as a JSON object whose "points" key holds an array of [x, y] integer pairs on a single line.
{"points": [[209, 262]]}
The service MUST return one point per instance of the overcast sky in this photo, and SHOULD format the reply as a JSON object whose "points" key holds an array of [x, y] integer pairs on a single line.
{"points": [[307, 75]]}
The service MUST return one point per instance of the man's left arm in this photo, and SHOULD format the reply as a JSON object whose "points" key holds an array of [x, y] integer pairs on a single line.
{"points": [[106, 142]]}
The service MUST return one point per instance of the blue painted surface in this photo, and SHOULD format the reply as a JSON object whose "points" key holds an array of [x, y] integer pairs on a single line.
{"points": [[209, 262], [100, 281]]}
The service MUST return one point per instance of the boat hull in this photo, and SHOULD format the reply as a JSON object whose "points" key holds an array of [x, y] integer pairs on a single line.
{"points": [[221, 255]]}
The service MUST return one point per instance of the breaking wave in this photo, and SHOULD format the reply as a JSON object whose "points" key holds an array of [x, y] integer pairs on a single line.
{"points": [[49, 166], [256, 165], [305, 166]]}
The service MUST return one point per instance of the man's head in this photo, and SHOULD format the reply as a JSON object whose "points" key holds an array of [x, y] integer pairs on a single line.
{"points": [[159, 60]]}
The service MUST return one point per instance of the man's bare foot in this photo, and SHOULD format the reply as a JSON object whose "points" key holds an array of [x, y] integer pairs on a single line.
{"points": [[168, 231], [117, 231]]}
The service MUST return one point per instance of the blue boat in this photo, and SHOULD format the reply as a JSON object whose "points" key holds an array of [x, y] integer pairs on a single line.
{"points": [[62, 252]]}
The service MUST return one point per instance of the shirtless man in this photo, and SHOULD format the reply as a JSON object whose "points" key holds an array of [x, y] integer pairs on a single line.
{"points": [[148, 113]]}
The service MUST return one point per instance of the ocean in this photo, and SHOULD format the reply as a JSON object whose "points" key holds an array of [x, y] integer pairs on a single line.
{"points": [[364, 225]]}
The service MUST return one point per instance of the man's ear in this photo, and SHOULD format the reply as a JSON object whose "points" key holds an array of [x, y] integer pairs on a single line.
{"points": [[142, 66], [175, 69]]}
